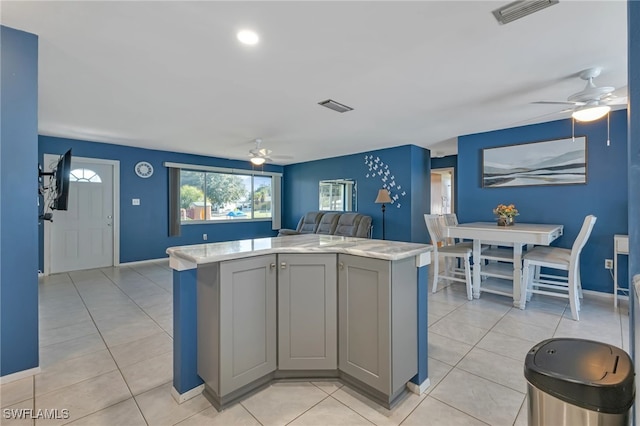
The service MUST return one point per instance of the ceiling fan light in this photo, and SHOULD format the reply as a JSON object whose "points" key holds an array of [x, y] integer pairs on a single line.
{"points": [[591, 113], [248, 37], [258, 161]]}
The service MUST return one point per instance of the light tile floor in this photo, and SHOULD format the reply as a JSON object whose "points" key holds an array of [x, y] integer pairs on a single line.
{"points": [[106, 356]]}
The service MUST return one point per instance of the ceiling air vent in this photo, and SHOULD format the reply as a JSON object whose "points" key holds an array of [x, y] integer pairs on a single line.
{"points": [[520, 9], [336, 106]]}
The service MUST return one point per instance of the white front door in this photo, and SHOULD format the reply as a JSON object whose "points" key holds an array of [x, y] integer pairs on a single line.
{"points": [[82, 236]]}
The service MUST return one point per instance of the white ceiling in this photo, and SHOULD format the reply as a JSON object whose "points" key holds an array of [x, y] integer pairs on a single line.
{"points": [[172, 76]]}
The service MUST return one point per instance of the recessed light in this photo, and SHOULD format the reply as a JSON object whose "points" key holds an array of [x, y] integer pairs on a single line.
{"points": [[248, 37]]}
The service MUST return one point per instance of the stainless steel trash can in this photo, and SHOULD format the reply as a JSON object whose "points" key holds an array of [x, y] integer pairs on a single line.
{"points": [[579, 382]]}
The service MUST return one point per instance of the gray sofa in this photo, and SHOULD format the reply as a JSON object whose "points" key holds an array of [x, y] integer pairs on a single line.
{"points": [[332, 223]]}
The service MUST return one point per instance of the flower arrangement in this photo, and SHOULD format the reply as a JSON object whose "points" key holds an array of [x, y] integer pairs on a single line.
{"points": [[506, 211]]}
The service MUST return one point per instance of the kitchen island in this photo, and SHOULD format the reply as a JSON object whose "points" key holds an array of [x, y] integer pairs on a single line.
{"points": [[305, 306]]}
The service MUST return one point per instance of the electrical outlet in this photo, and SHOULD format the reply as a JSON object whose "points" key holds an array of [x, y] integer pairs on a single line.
{"points": [[204, 237], [608, 264]]}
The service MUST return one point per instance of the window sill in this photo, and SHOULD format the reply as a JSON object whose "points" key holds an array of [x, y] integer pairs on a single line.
{"points": [[226, 221]]}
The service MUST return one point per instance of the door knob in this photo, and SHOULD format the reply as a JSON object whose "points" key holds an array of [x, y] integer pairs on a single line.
{"points": [[109, 217], [283, 265]]}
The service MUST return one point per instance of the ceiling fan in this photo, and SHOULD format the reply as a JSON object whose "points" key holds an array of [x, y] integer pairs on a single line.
{"points": [[592, 102], [259, 155]]}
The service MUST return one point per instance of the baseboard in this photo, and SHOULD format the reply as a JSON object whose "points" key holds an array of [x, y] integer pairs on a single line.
{"points": [[143, 262], [182, 397], [19, 375], [601, 295], [419, 389], [118, 264]]}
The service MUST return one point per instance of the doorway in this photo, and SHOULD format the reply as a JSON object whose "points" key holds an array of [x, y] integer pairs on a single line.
{"points": [[85, 236], [442, 190]]}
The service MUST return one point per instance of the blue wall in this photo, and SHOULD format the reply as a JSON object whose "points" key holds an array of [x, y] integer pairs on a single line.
{"points": [[420, 193], [442, 162], [604, 195], [18, 204], [408, 166], [144, 229]]}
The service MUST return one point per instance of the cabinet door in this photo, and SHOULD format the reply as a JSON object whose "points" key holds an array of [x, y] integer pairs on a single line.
{"points": [[307, 312], [247, 321], [364, 320]]}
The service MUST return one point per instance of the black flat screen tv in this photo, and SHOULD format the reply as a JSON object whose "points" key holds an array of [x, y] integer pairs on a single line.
{"points": [[62, 172]]}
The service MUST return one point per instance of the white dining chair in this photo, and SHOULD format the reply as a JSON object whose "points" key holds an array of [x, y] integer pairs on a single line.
{"points": [[451, 219], [557, 258], [435, 224], [455, 265]]}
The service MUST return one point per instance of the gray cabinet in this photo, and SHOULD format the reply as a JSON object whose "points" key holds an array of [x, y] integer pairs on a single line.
{"points": [[236, 323], [296, 314], [307, 312], [377, 316]]}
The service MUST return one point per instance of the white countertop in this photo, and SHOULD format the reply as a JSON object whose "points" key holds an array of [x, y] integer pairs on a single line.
{"points": [[304, 243]]}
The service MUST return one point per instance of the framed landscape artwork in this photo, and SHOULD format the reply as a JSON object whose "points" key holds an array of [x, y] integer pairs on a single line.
{"points": [[555, 162]]}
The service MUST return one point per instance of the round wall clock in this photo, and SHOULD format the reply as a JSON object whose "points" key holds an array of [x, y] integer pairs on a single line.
{"points": [[144, 169]]}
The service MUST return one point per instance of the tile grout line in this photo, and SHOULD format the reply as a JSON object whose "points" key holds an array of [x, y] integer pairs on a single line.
{"points": [[308, 409], [163, 330], [457, 409], [521, 407], [554, 332], [340, 402], [136, 303], [114, 360], [474, 374], [186, 418], [117, 365], [464, 356], [248, 411], [143, 276], [110, 354]]}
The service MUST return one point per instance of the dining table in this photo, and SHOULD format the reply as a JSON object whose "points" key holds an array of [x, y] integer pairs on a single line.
{"points": [[518, 236]]}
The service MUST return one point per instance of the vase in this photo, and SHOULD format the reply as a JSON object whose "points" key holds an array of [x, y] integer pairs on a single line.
{"points": [[505, 221]]}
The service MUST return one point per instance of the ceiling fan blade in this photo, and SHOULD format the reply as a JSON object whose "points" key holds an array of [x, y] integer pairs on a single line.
{"points": [[537, 119], [259, 151], [622, 100], [557, 103]]}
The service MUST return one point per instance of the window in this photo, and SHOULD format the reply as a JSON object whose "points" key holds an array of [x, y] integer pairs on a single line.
{"points": [[337, 195], [84, 175], [206, 194], [219, 196]]}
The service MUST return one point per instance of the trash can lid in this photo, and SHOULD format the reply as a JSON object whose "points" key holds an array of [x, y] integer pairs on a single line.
{"points": [[592, 375]]}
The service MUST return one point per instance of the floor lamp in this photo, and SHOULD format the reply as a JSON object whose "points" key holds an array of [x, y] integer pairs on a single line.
{"points": [[383, 198]]}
